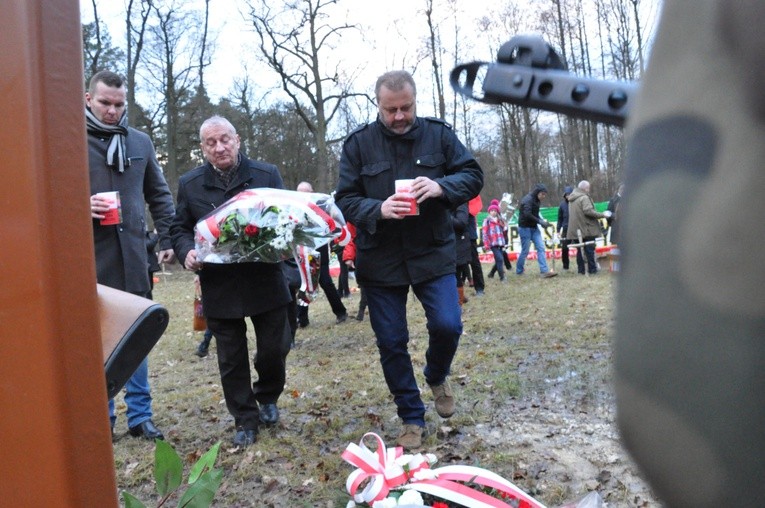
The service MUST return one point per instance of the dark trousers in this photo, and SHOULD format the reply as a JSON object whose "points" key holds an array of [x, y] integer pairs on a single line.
{"points": [[342, 280], [499, 262], [272, 342], [362, 302], [589, 252], [505, 261], [476, 269], [327, 285], [301, 311], [292, 315], [564, 250], [463, 272], [206, 339]]}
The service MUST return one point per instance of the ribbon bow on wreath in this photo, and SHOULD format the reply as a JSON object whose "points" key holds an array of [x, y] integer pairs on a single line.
{"points": [[388, 469]]}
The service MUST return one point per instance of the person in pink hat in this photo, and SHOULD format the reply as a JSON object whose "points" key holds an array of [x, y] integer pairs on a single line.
{"points": [[494, 232], [505, 257]]}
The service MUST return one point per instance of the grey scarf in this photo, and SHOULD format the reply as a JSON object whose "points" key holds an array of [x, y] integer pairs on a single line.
{"points": [[116, 143]]}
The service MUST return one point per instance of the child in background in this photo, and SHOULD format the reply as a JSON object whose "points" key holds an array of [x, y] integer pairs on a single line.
{"points": [[505, 255], [494, 234]]}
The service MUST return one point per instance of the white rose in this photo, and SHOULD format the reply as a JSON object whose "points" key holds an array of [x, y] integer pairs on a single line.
{"points": [[425, 474], [388, 502], [403, 460], [410, 497]]}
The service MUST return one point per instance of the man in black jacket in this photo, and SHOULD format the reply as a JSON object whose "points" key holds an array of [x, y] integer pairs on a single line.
{"points": [[528, 220], [396, 250], [232, 292], [562, 226], [613, 221]]}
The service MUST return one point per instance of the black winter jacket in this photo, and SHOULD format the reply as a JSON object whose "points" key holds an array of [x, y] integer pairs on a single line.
{"points": [[417, 248], [461, 224], [229, 291], [528, 213]]}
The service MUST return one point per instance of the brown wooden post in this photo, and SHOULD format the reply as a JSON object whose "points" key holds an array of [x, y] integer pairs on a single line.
{"points": [[54, 431]]}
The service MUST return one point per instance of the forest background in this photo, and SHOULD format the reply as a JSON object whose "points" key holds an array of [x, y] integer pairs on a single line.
{"points": [[295, 77]]}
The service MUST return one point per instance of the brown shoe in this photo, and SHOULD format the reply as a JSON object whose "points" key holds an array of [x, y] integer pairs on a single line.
{"points": [[410, 437], [444, 399], [549, 274]]}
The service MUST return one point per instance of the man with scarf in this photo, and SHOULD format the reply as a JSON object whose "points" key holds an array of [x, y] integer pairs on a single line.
{"points": [[122, 159]]}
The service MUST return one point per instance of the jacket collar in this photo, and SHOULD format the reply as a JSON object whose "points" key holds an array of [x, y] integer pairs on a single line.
{"points": [[242, 176]]}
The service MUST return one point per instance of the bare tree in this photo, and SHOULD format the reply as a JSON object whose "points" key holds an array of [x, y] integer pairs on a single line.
{"points": [[517, 146], [98, 52], [622, 48], [93, 52], [435, 49], [242, 97], [638, 32], [621, 33], [203, 50], [172, 62], [135, 32], [296, 39]]}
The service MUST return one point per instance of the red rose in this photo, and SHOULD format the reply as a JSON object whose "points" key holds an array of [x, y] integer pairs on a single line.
{"points": [[251, 230]]}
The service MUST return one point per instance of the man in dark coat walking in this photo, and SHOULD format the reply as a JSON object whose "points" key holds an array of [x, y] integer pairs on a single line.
{"points": [[562, 226], [233, 292], [396, 250]]}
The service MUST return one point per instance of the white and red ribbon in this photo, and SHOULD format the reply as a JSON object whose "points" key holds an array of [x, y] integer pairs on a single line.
{"points": [[378, 469], [343, 237], [315, 212], [303, 257], [447, 486], [382, 472], [208, 228]]}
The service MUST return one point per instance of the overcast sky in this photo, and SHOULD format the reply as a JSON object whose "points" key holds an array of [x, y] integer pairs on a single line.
{"points": [[391, 31], [390, 35]]}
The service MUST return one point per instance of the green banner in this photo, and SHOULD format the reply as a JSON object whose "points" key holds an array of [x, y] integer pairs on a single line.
{"points": [[548, 213]]}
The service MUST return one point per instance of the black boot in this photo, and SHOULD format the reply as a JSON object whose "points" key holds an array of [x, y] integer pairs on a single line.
{"points": [[204, 346]]}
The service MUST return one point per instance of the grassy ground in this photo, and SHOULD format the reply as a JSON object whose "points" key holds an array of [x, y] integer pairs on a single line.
{"points": [[531, 379]]}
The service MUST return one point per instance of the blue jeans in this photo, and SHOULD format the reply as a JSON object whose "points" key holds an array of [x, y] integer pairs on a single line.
{"points": [[137, 397], [527, 236], [387, 314], [499, 261]]}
